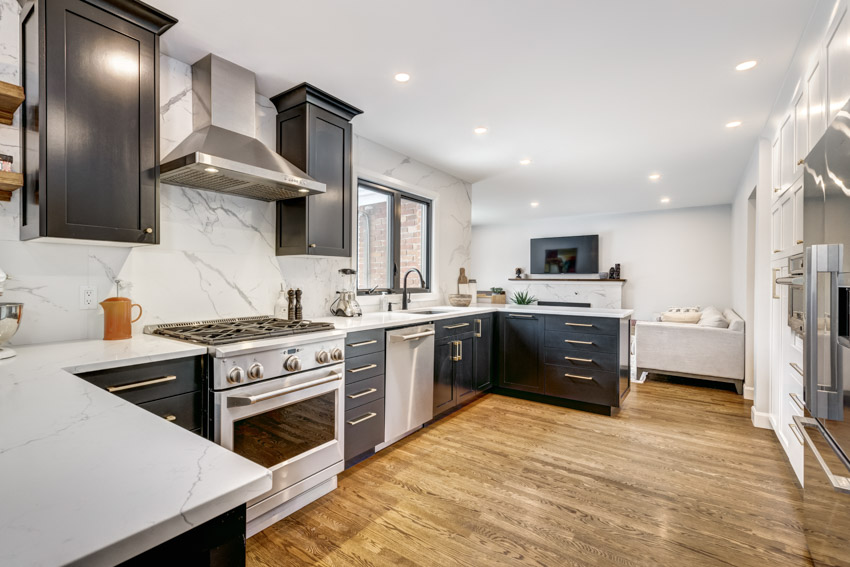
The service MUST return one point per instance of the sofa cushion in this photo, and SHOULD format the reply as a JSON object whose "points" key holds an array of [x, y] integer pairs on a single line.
{"points": [[713, 320], [735, 321], [682, 309], [681, 316]]}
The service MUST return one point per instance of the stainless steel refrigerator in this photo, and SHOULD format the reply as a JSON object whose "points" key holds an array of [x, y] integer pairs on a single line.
{"points": [[826, 337]]}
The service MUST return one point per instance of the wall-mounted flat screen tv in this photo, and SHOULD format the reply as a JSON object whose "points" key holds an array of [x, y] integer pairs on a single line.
{"points": [[565, 255]]}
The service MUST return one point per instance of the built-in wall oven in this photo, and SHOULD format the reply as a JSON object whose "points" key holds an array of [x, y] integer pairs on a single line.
{"points": [[796, 293]]}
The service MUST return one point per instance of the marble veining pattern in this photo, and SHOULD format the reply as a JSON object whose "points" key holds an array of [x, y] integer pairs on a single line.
{"points": [[598, 295]]}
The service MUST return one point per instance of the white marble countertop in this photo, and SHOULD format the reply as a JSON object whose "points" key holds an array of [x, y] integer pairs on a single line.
{"points": [[89, 479], [417, 316]]}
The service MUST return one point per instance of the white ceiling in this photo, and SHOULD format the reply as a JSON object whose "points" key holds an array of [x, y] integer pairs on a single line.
{"points": [[598, 94]]}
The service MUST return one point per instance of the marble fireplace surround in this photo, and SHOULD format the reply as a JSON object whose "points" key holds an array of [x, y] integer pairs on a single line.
{"points": [[598, 293], [216, 258]]}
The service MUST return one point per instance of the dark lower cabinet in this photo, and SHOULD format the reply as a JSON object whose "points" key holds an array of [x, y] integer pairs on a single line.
{"points": [[462, 360], [90, 122], [520, 348], [482, 352], [445, 394], [464, 369], [314, 133], [217, 543]]}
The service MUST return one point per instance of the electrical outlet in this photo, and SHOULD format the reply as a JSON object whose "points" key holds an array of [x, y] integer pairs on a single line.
{"points": [[88, 297]]}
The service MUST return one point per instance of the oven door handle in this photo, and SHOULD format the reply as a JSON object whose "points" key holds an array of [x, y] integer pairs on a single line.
{"points": [[236, 401]]}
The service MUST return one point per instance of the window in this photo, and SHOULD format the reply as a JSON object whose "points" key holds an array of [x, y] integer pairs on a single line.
{"points": [[393, 236]]}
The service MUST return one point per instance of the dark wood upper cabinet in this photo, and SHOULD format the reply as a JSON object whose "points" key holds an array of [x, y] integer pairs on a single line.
{"points": [[90, 124], [314, 133]]}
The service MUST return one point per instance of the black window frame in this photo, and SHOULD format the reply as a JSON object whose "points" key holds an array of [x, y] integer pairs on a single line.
{"points": [[396, 196]]}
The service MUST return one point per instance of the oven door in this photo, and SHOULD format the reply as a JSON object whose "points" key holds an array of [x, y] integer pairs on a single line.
{"points": [[291, 425]]}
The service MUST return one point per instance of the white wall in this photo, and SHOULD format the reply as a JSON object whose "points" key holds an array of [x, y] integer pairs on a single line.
{"points": [[216, 257], [674, 257]]}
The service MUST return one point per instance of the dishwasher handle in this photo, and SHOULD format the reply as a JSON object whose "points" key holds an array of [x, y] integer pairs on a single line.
{"points": [[412, 336]]}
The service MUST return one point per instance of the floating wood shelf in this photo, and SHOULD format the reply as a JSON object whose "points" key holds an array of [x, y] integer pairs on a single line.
{"points": [[586, 280], [11, 97], [8, 183]]}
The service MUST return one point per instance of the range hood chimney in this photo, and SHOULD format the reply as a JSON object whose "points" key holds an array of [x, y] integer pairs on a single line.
{"points": [[222, 154]]}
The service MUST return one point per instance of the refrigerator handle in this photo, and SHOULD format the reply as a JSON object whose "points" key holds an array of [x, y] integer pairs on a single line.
{"points": [[839, 483], [823, 372]]}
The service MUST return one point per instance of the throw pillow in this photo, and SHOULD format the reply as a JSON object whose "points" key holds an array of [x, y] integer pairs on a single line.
{"points": [[713, 321], [680, 316]]}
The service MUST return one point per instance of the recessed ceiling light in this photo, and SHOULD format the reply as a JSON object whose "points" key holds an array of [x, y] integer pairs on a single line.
{"points": [[655, 176], [525, 161], [665, 200], [210, 170], [303, 190], [480, 130], [535, 204], [746, 65], [733, 124], [402, 77]]}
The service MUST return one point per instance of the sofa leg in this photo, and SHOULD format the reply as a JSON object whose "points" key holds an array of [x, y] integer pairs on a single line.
{"points": [[739, 386]]}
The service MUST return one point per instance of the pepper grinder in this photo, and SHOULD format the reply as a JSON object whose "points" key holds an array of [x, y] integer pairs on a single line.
{"points": [[298, 311], [291, 310]]}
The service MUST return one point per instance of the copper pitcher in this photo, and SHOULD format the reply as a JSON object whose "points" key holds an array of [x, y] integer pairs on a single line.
{"points": [[117, 317]]}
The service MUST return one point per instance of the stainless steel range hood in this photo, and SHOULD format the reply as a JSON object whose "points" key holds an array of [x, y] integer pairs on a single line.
{"points": [[222, 153]]}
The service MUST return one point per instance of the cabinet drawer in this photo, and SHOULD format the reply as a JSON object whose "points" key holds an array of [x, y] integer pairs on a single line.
{"points": [[183, 410], [148, 382], [591, 386], [581, 360], [452, 327], [364, 428], [364, 342], [594, 325], [362, 367], [587, 342], [364, 392]]}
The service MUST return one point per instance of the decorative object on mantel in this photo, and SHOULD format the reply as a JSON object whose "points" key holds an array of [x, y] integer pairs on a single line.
{"points": [[518, 273], [11, 97], [603, 275], [616, 271], [523, 298], [498, 296]]}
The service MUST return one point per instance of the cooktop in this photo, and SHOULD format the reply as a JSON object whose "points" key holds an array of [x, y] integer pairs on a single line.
{"points": [[226, 331]]}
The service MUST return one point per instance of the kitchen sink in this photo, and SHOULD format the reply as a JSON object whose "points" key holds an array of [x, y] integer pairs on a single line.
{"points": [[428, 312]]}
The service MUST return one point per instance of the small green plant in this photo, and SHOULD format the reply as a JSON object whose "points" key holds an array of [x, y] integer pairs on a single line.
{"points": [[523, 298], [497, 290]]}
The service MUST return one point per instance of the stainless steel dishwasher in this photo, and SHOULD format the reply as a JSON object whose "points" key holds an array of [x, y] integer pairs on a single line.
{"points": [[409, 394]]}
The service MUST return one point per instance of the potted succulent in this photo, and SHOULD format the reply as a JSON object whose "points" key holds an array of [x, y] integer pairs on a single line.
{"points": [[498, 296], [523, 298]]}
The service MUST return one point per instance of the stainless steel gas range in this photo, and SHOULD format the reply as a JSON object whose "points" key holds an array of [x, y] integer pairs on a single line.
{"points": [[275, 397]]}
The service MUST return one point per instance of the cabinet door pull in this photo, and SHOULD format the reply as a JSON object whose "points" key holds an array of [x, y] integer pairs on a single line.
{"points": [[366, 417], [578, 324], [516, 316], [578, 342], [364, 343], [134, 385], [361, 394], [577, 376], [801, 161], [796, 368], [578, 359], [362, 368], [797, 401], [796, 433], [457, 353], [170, 417], [478, 328], [458, 326]]}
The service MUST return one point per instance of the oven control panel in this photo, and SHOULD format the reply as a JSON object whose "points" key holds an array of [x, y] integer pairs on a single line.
{"points": [[238, 369]]}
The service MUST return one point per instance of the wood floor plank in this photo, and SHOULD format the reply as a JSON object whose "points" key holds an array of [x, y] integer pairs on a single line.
{"points": [[679, 477]]}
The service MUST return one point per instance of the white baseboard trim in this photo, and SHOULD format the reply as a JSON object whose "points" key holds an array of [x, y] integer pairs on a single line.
{"points": [[749, 393], [760, 419]]}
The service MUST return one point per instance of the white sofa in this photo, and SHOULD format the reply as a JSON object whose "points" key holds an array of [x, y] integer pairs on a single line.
{"points": [[693, 350]]}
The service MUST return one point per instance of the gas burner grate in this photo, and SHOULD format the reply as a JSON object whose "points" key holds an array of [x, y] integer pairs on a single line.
{"points": [[226, 331]]}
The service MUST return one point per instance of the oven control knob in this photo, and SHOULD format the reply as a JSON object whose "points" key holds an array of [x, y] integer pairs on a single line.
{"points": [[293, 364], [322, 357], [256, 371], [236, 375], [336, 355]]}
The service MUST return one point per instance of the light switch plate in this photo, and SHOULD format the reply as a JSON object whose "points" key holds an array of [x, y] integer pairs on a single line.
{"points": [[88, 297]]}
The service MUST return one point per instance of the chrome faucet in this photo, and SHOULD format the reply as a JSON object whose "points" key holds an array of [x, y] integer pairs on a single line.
{"points": [[405, 299]]}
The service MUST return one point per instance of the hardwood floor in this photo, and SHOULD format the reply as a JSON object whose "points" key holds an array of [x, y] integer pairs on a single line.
{"points": [[679, 478]]}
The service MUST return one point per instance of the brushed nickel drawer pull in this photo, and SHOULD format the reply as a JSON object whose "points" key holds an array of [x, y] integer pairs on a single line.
{"points": [[797, 401], [364, 343], [796, 433], [577, 376], [362, 368], [796, 368], [458, 326], [170, 417], [578, 342], [134, 385], [578, 324], [366, 417], [578, 359], [361, 394]]}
